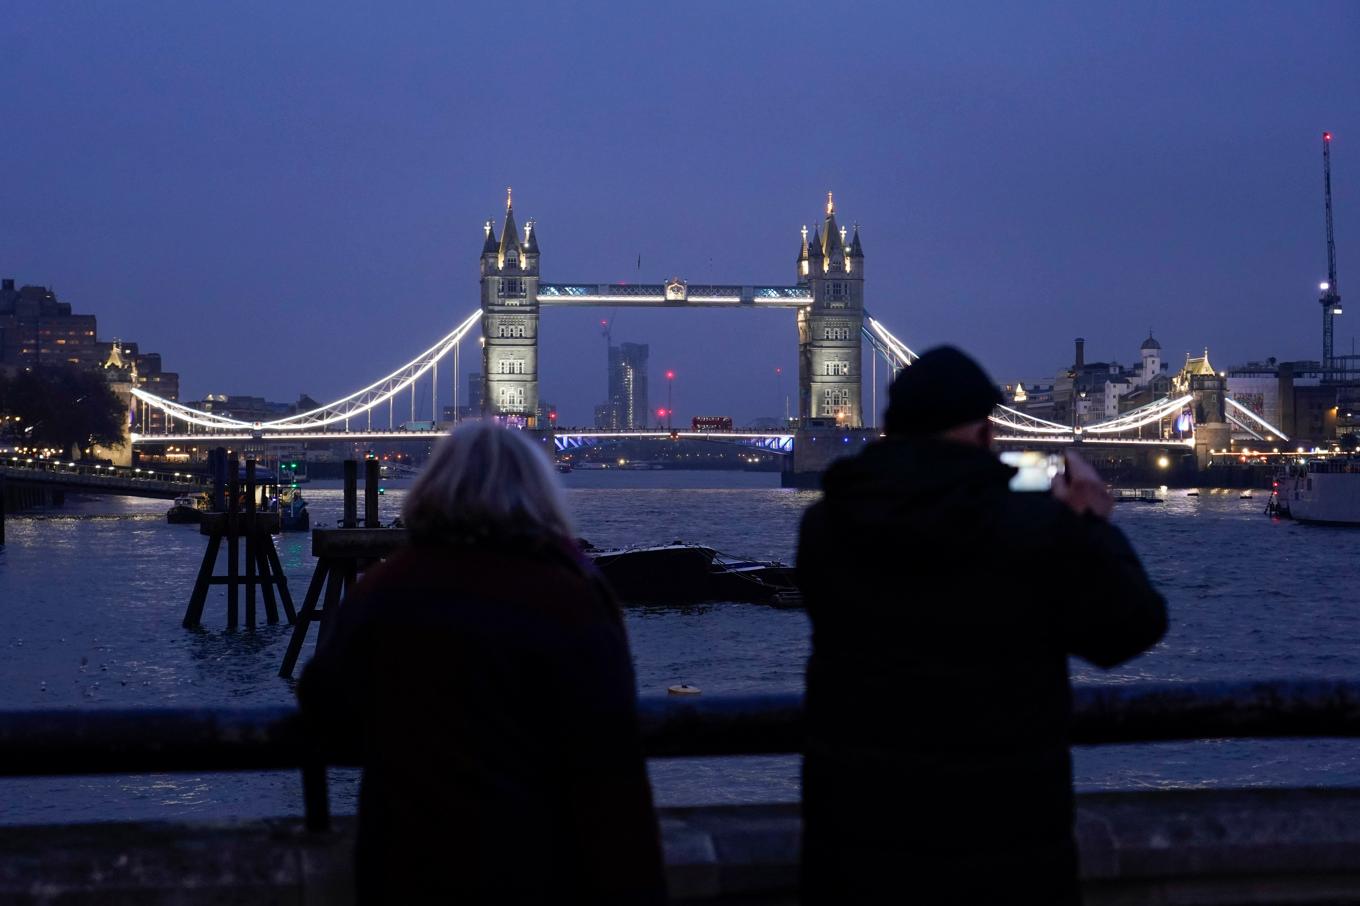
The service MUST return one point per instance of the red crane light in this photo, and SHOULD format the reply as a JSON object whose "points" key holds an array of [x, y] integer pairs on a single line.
{"points": [[1326, 136], [670, 375]]}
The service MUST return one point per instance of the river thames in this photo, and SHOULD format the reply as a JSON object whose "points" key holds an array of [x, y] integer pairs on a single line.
{"points": [[91, 598]]}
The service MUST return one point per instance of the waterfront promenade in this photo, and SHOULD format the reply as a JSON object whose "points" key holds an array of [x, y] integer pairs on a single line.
{"points": [[99, 588]]}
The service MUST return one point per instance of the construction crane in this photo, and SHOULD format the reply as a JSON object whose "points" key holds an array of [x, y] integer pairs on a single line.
{"points": [[1331, 295]]}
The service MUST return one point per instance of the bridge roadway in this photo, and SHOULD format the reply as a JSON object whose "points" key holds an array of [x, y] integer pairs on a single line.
{"points": [[84, 478], [566, 438]]}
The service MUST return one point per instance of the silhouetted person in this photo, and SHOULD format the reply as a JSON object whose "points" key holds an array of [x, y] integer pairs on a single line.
{"points": [[486, 672], [944, 607]]}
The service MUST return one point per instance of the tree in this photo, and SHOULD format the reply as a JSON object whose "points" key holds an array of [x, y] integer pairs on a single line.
{"points": [[62, 407]]}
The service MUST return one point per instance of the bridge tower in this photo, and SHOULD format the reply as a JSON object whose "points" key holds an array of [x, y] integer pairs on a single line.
{"points": [[510, 320], [829, 326]]}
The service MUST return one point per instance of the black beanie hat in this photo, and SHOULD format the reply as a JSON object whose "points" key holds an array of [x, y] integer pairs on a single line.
{"points": [[940, 390]]}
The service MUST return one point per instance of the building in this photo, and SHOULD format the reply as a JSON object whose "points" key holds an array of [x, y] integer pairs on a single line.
{"points": [[627, 407], [1295, 397], [1031, 397], [243, 407], [476, 391], [124, 364], [628, 385], [1094, 391], [36, 329]]}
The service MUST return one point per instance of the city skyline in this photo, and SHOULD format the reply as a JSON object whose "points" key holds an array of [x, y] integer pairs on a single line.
{"points": [[1157, 169]]}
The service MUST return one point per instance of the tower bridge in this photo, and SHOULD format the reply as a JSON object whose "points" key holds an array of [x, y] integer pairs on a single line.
{"points": [[832, 324], [828, 299]]}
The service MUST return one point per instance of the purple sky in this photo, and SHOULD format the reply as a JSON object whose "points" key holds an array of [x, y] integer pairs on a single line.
{"points": [[289, 197]]}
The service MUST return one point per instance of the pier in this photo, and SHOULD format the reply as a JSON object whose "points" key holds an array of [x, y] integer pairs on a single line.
{"points": [[48, 481]]}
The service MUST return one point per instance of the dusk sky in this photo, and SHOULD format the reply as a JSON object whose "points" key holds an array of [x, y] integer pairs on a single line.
{"points": [[286, 198]]}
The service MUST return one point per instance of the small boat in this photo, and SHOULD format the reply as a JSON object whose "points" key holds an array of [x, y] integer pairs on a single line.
{"points": [[1245, 495], [664, 573], [187, 510], [681, 573], [1192, 493], [293, 515], [1139, 495]]}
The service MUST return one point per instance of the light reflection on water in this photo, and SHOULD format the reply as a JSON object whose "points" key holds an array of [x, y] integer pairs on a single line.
{"points": [[91, 599]]}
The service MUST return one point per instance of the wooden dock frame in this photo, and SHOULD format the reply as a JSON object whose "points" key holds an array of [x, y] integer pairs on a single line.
{"points": [[342, 554], [262, 566]]}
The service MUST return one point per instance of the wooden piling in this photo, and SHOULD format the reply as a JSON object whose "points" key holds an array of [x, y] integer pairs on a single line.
{"points": [[262, 565], [250, 543], [233, 551], [372, 477], [350, 516], [342, 555]]}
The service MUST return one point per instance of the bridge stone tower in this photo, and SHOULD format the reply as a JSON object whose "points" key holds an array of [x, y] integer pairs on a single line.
{"points": [[829, 327], [510, 321]]}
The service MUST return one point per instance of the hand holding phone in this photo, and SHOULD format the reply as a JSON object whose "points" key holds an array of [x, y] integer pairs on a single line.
{"points": [[1081, 488]]}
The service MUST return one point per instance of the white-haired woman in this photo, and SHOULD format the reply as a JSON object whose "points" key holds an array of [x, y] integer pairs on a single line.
{"points": [[485, 669]]}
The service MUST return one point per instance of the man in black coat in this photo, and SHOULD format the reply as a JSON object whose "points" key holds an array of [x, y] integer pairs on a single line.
{"points": [[944, 607]]}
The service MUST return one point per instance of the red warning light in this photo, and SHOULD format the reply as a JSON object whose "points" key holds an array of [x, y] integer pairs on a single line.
{"points": [[1326, 136], [670, 375]]}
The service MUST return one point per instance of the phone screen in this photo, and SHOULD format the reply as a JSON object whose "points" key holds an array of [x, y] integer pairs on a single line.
{"points": [[1035, 471]]}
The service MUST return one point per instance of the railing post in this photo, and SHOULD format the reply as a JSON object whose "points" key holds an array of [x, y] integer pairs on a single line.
{"points": [[316, 802]]}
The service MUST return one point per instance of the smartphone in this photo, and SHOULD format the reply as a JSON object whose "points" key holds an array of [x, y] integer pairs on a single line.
{"points": [[1035, 471]]}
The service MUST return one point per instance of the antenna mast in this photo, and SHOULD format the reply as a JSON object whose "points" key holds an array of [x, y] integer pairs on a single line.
{"points": [[1331, 295]]}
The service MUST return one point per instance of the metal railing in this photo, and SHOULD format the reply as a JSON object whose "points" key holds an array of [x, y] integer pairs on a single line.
{"points": [[82, 741]]}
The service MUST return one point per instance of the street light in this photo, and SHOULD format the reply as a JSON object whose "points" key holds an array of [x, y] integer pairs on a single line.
{"points": [[670, 386]]}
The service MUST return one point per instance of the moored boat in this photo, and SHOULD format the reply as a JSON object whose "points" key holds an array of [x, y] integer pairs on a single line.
{"points": [[187, 509], [682, 573], [1321, 492], [1139, 495], [293, 515]]}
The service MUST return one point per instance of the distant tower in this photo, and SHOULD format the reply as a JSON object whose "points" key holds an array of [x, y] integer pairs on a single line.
{"points": [[1152, 358], [510, 320], [829, 327]]}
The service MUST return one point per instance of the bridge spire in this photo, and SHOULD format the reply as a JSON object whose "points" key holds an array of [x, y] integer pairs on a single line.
{"points": [[509, 234], [833, 238], [491, 244]]}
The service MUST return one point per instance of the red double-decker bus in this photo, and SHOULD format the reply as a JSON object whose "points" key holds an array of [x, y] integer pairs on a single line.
{"points": [[712, 423]]}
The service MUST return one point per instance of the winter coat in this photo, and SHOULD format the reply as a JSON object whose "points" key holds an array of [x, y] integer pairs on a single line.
{"points": [[490, 686], [944, 607]]}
